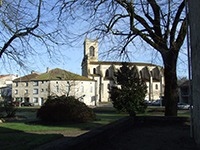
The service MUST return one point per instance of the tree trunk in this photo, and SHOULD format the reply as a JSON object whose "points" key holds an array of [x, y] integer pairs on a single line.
{"points": [[171, 87]]}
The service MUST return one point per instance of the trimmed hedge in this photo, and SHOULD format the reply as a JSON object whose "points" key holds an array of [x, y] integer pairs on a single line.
{"points": [[65, 109]]}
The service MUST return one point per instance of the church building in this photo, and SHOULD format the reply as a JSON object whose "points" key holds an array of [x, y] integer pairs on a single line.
{"points": [[103, 73]]}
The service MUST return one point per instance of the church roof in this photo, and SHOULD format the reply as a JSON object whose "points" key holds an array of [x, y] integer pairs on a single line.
{"points": [[119, 63]]}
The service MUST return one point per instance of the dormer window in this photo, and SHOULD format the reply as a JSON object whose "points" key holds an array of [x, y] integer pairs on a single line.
{"points": [[92, 51]]}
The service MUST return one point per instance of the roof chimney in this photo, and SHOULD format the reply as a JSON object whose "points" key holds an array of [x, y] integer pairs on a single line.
{"points": [[47, 69]]}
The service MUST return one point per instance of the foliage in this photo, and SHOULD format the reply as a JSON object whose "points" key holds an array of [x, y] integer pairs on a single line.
{"points": [[65, 109], [130, 96], [6, 94], [9, 109]]}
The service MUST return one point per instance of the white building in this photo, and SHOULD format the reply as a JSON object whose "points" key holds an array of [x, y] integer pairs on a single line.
{"points": [[103, 73], [35, 87], [6, 86]]}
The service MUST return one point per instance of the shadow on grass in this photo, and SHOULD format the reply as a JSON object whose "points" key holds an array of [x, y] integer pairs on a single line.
{"points": [[15, 139]]}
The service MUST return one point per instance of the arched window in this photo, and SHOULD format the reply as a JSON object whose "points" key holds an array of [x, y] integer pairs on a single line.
{"points": [[107, 73], [156, 86], [94, 70], [91, 51]]}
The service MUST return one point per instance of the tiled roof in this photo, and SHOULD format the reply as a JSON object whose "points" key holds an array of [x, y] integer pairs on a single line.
{"points": [[2, 76], [59, 74], [28, 77]]}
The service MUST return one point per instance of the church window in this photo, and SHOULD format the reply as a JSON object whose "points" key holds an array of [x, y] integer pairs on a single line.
{"points": [[94, 71], [107, 73], [91, 51], [156, 86]]}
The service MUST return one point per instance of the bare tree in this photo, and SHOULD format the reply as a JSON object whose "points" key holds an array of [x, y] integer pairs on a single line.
{"points": [[160, 23], [26, 28]]}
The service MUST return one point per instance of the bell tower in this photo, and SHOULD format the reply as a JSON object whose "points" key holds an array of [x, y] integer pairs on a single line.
{"points": [[90, 55], [91, 49]]}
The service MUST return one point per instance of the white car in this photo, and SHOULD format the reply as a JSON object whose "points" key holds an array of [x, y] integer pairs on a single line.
{"points": [[183, 106]]}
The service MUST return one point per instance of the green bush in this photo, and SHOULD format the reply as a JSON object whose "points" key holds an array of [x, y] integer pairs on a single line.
{"points": [[65, 109]]}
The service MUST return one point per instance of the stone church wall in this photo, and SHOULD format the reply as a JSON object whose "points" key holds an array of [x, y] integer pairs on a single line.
{"points": [[194, 15]]}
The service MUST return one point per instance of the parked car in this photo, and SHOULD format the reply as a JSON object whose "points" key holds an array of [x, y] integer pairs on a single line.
{"points": [[157, 102], [15, 103], [147, 101], [27, 104], [183, 106]]}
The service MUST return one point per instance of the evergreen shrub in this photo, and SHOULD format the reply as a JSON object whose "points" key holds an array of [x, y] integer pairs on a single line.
{"points": [[65, 109], [130, 93]]}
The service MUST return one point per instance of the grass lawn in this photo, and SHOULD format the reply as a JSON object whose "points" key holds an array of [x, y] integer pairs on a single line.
{"points": [[102, 118], [20, 141], [27, 141], [160, 111]]}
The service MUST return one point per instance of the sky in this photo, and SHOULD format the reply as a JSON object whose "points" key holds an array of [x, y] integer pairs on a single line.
{"points": [[70, 57], [73, 58]]}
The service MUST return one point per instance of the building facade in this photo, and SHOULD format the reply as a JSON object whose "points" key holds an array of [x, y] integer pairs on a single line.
{"points": [[6, 86], [103, 73], [36, 87]]}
